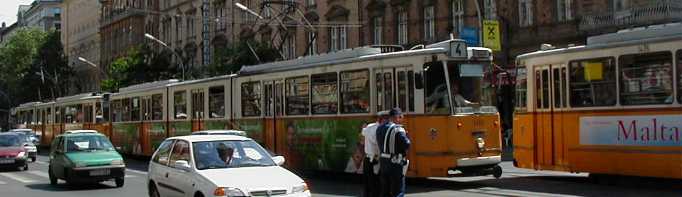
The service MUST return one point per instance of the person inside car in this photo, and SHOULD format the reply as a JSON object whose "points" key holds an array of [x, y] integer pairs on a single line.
{"points": [[225, 153]]}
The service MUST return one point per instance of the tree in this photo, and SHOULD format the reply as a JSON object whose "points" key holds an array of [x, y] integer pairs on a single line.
{"points": [[230, 59], [50, 69], [140, 65], [16, 58]]}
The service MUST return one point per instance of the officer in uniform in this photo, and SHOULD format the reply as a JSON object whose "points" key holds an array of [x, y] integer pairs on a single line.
{"points": [[371, 161], [393, 145]]}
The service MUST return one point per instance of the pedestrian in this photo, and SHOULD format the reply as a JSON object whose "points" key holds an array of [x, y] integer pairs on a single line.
{"points": [[393, 145], [371, 160]]}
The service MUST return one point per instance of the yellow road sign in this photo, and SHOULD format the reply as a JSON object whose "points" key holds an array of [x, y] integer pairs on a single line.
{"points": [[491, 35]]}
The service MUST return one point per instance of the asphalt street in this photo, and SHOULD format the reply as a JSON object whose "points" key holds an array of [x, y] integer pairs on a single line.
{"points": [[514, 182]]}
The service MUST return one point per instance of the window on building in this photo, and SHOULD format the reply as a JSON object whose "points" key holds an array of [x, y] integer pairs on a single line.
{"points": [[378, 27], [457, 15], [619, 5], [324, 93], [525, 12], [437, 100], [289, 48], [297, 95], [403, 22], [646, 79], [429, 22], [251, 99], [355, 95], [198, 96], [593, 82], [135, 109], [564, 10], [310, 3], [216, 102], [178, 29], [490, 9], [180, 104], [339, 38], [312, 43], [190, 25]]}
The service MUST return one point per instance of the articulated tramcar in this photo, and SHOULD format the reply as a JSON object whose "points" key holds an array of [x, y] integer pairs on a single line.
{"points": [[610, 107], [312, 109]]}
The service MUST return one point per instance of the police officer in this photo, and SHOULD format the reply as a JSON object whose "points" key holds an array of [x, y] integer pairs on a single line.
{"points": [[371, 161], [393, 145]]}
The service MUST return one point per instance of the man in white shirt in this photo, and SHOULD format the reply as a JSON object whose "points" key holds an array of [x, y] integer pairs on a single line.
{"points": [[371, 161]]}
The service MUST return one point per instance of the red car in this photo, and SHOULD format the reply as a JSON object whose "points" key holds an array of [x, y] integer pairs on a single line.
{"points": [[12, 152]]}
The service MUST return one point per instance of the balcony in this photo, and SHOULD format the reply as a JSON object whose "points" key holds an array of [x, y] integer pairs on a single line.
{"points": [[656, 12], [120, 14]]}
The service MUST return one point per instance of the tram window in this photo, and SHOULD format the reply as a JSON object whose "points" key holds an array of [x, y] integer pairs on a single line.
{"points": [[437, 100], [180, 104], [355, 92], [99, 115], [545, 89], [58, 115], [324, 93], [216, 102], [135, 109], [521, 88], [49, 116], [411, 87], [593, 82], [385, 89], [251, 99], [646, 78], [126, 109], [679, 76], [87, 111], [198, 104], [157, 107], [297, 96], [402, 90], [267, 99]]}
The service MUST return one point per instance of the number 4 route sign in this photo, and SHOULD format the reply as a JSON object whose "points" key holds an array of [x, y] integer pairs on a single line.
{"points": [[491, 35]]}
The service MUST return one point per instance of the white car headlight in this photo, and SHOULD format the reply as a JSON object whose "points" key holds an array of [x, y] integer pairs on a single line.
{"points": [[300, 188], [117, 162], [229, 192], [21, 154]]}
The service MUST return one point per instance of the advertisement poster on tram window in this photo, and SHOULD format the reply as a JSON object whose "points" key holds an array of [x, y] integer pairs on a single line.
{"points": [[331, 145], [181, 128], [657, 130], [253, 128], [157, 133], [127, 137]]}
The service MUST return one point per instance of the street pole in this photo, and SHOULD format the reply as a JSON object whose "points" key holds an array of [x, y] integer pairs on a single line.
{"points": [[182, 62], [480, 23]]}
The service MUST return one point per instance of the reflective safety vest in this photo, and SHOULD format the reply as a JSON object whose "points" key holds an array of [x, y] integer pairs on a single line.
{"points": [[389, 150]]}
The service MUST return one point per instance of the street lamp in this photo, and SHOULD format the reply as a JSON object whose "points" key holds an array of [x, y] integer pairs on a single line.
{"points": [[86, 61], [182, 65], [242, 7]]}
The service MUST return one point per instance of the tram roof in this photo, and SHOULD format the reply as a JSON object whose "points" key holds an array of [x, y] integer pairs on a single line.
{"points": [[148, 86], [343, 56], [627, 37], [222, 77], [79, 97]]}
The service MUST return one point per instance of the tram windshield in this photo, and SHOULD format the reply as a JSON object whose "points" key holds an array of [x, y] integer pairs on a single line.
{"points": [[471, 88]]}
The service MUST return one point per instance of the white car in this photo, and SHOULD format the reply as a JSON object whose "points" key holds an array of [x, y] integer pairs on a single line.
{"points": [[219, 165], [220, 132], [27, 143]]}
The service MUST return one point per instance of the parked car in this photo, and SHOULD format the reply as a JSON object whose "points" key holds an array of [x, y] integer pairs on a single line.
{"points": [[85, 156], [12, 153], [28, 144], [220, 132], [35, 139], [219, 165]]}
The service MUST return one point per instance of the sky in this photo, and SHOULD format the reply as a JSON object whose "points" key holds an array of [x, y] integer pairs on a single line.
{"points": [[8, 10]]}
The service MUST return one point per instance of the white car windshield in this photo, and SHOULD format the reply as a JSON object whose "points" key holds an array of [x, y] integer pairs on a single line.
{"points": [[87, 143], [230, 154]]}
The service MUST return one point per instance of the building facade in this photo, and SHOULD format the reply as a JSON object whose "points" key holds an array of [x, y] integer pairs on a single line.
{"points": [[123, 24], [80, 37], [43, 14]]}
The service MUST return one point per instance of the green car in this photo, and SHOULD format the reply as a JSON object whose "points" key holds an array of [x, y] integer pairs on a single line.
{"points": [[84, 157]]}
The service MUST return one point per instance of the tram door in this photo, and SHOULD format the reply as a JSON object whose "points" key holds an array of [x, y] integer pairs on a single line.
{"points": [[273, 95], [543, 117], [559, 104]]}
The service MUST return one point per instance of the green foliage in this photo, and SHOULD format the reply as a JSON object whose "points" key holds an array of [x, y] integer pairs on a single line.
{"points": [[140, 65], [230, 59]]}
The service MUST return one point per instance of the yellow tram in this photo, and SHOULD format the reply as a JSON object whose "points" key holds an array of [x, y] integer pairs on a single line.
{"points": [[612, 106]]}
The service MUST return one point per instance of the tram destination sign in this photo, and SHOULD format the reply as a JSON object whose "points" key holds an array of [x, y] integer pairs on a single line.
{"points": [[656, 130]]}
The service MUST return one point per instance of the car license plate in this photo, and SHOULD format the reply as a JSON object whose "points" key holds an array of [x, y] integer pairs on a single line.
{"points": [[6, 161], [102, 172]]}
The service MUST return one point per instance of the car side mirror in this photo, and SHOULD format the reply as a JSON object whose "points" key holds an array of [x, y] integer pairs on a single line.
{"points": [[182, 165], [279, 160]]}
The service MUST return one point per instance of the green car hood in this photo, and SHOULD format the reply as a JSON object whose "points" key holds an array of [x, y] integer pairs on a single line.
{"points": [[94, 158]]}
